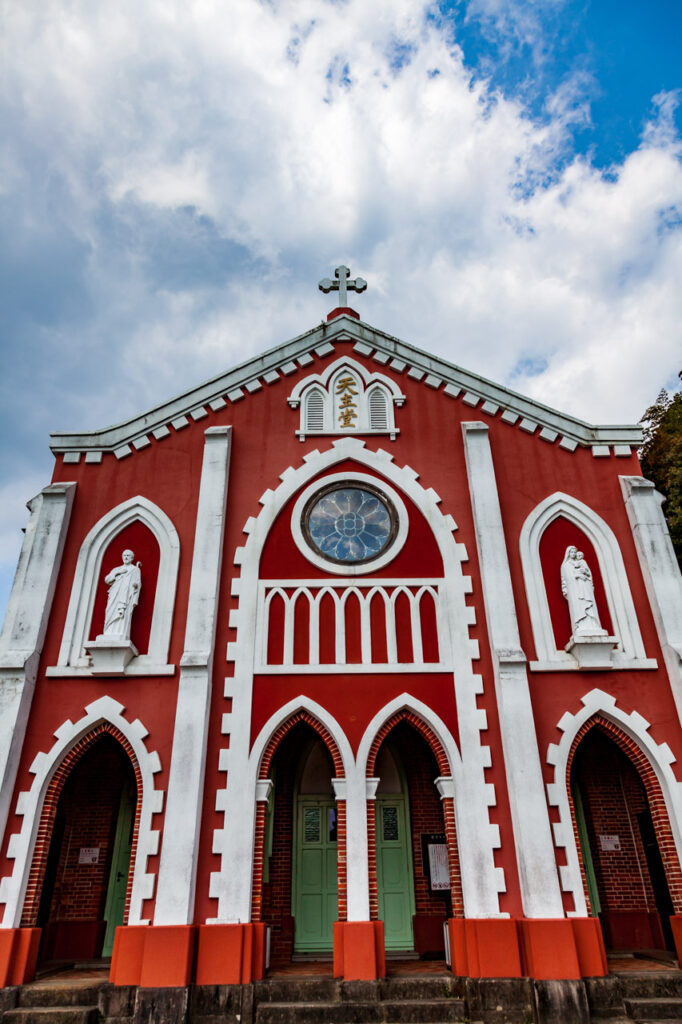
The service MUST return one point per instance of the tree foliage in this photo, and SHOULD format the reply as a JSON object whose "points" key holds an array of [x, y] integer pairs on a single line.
{"points": [[661, 458]]}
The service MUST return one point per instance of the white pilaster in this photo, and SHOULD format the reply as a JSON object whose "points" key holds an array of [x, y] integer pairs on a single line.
{"points": [[540, 892], [180, 847], [354, 792], [23, 633], [660, 570]]}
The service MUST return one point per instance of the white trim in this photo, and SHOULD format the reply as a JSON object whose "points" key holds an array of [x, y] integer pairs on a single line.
{"points": [[23, 633], [322, 380], [231, 884], [30, 805], [659, 755], [87, 579], [324, 384], [660, 570], [630, 651], [345, 568], [182, 825], [538, 879]]}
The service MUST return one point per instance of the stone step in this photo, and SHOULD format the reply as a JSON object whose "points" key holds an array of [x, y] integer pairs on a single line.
{"points": [[440, 986], [52, 1015], [298, 990], [407, 1011], [654, 1009], [424, 1011], [319, 1013], [38, 994], [651, 985]]}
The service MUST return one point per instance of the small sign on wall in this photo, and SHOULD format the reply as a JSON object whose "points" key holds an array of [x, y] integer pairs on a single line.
{"points": [[88, 855], [609, 842], [435, 861]]}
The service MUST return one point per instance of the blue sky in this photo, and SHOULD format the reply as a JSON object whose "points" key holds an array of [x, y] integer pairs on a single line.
{"points": [[176, 177]]}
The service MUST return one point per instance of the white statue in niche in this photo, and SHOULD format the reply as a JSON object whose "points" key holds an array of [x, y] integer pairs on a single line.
{"points": [[577, 586], [124, 584]]}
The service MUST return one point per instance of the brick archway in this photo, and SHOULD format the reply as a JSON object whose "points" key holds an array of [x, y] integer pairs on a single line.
{"points": [[49, 812], [435, 746], [655, 798], [276, 739]]}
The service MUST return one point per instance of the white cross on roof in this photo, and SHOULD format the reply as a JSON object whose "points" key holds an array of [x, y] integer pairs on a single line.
{"points": [[342, 284]]}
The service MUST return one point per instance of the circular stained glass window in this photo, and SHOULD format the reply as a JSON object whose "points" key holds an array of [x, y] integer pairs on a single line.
{"points": [[350, 524]]}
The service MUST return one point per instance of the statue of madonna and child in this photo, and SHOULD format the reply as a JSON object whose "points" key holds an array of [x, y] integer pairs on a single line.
{"points": [[577, 586]]}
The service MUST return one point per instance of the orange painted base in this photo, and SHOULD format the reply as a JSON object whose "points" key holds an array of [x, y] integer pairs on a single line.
{"points": [[359, 950], [485, 948], [153, 957], [548, 949], [544, 949], [18, 955], [230, 954], [589, 944], [126, 958], [676, 925]]}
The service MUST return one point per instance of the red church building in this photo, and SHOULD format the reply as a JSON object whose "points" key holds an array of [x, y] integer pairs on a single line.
{"points": [[345, 653]]}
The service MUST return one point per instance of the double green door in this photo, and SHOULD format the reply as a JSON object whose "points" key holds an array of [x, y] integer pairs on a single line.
{"points": [[315, 890]]}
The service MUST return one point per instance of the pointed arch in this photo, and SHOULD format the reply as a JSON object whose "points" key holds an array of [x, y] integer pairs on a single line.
{"points": [[653, 761], [86, 580], [630, 651], [231, 884], [71, 740]]}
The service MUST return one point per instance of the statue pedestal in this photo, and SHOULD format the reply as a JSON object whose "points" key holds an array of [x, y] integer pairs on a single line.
{"points": [[592, 652], [109, 655]]}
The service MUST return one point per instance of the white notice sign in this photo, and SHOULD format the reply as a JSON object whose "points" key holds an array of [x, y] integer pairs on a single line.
{"points": [[609, 842], [439, 867], [88, 855]]}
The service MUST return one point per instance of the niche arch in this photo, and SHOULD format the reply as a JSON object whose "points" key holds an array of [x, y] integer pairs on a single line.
{"points": [[629, 652], [87, 579]]}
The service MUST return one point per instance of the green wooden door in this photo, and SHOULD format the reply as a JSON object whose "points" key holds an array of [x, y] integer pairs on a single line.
{"points": [[394, 871], [120, 865], [314, 888]]}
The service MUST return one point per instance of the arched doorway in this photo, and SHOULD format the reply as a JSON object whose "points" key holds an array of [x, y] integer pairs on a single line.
{"points": [[624, 872], [85, 879], [409, 866], [300, 891]]}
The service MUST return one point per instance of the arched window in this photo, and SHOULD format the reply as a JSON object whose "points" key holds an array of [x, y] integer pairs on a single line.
{"points": [[314, 410], [378, 409]]}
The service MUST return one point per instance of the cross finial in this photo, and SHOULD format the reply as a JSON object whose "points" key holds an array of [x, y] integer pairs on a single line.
{"points": [[342, 284]]}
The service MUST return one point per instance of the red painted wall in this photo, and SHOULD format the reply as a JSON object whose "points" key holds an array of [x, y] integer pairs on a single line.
{"points": [[264, 445]]}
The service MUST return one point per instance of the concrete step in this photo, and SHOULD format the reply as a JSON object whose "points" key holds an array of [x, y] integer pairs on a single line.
{"points": [[52, 1015], [320, 1013], [424, 1011], [38, 994], [439, 986], [654, 1009], [651, 984], [407, 1011], [298, 990]]}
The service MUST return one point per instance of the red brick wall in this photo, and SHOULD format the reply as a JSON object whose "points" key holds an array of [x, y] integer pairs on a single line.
{"points": [[89, 804], [613, 796], [277, 892]]}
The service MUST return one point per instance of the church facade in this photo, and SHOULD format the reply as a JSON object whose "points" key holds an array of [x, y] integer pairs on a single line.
{"points": [[345, 653]]}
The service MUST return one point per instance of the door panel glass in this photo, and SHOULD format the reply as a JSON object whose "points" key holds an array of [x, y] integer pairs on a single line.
{"points": [[312, 825], [390, 824]]}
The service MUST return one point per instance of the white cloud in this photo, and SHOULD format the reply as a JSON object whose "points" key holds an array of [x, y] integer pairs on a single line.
{"points": [[302, 134]]}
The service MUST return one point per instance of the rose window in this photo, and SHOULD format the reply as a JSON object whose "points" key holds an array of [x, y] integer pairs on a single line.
{"points": [[349, 524]]}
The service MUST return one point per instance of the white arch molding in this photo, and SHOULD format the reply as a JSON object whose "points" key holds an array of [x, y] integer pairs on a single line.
{"points": [[630, 651], [87, 579], [231, 884], [660, 757], [21, 844]]}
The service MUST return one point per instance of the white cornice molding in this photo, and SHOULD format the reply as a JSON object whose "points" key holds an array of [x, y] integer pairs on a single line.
{"points": [[386, 350]]}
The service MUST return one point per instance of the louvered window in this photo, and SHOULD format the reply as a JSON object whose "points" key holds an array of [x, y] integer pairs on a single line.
{"points": [[378, 410], [314, 411]]}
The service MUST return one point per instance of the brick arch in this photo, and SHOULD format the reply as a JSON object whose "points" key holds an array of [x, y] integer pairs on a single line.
{"points": [[654, 793], [49, 812], [425, 731], [286, 727], [447, 805], [259, 839]]}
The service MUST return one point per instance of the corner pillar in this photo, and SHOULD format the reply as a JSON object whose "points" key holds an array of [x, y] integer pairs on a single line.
{"points": [[538, 877], [23, 634]]}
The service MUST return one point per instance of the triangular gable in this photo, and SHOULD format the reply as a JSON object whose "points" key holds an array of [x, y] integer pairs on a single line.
{"points": [[292, 356]]}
